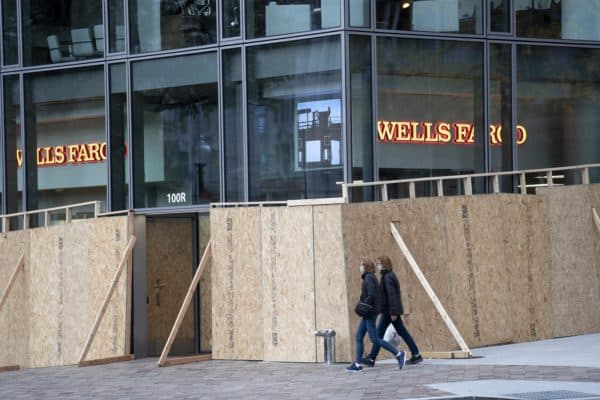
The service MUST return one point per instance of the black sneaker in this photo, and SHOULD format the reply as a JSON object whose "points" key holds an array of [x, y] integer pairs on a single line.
{"points": [[415, 360], [401, 359], [354, 368], [369, 362]]}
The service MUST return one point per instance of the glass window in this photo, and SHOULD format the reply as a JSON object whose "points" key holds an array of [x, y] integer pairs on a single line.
{"points": [[9, 32], [361, 113], [12, 144], [175, 131], [232, 125], [452, 16], [360, 13], [116, 26], [171, 24], [430, 114], [499, 15], [295, 120], [56, 31], [231, 18], [558, 99], [500, 109], [119, 177], [65, 143], [558, 19], [269, 18]]}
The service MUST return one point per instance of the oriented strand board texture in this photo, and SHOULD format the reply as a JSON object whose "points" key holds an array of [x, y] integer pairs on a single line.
{"points": [[170, 263], [236, 284], [14, 325], [330, 280], [288, 284], [575, 259], [67, 273]]}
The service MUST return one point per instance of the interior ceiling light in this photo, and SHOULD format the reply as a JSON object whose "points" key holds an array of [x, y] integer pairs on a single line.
{"points": [[406, 4]]}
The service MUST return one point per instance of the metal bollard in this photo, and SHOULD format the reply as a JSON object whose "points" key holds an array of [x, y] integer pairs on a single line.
{"points": [[329, 345]]}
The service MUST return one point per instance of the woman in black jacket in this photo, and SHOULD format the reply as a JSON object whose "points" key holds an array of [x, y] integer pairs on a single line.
{"points": [[371, 295], [391, 311]]}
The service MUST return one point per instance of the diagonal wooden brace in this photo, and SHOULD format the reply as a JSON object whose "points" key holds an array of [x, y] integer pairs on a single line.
{"points": [[12, 281]]}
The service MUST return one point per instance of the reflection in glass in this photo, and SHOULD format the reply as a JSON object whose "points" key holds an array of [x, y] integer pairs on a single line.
{"points": [[232, 125], [360, 13], [231, 18], [12, 144], [558, 19], [119, 177], [457, 16], [295, 120], [65, 143], [500, 15], [55, 31], [361, 111], [116, 26], [430, 114], [175, 131], [9, 32], [558, 92], [268, 17], [171, 24]]}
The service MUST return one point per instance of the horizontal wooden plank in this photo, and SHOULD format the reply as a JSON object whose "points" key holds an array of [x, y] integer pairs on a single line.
{"points": [[186, 360], [109, 360], [9, 368]]}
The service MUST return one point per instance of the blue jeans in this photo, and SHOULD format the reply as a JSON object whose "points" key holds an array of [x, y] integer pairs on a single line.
{"points": [[368, 325], [384, 321]]}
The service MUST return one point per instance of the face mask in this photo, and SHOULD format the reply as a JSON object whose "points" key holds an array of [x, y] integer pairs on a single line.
{"points": [[379, 267], [362, 269]]}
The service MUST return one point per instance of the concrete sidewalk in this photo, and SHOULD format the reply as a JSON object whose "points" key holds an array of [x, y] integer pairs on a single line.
{"points": [[518, 370]]}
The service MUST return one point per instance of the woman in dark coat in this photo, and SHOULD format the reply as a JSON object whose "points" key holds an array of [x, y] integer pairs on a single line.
{"points": [[371, 295], [391, 312]]}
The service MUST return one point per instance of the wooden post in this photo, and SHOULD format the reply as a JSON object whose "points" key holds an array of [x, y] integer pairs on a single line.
{"points": [[384, 192], [585, 176], [596, 218], [496, 183], [549, 179], [5, 224], [96, 209], [68, 215], [436, 302], [523, 183], [440, 188], [345, 192], [468, 187], [411, 190], [12, 280], [111, 289], [46, 217], [185, 305]]}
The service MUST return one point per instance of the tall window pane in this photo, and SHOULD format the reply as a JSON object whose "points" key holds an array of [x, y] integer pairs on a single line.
{"points": [[119, 145], [361, 112], [231, 18], [116, 26], [56, 31], [175, 131], [9, 32], [294, 120], [499, 15], [13, 145], [171, 24], [430, 114], [269, 18], [233, 121], [360, 13], [500, 108], [558, 19], [558, 92], [65, 145], [451, 16]]}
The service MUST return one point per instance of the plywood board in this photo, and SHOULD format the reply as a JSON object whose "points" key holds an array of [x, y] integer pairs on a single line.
{"points": [[236, 282], [575, 286], [331, 298], [170, 264], [288, 284]]}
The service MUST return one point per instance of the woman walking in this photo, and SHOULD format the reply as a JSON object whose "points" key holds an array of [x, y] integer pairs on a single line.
{"points": [[367, 309]]}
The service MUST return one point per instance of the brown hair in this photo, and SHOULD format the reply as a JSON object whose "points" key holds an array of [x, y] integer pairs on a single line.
{"points": [[385, 262], [368, 264]]}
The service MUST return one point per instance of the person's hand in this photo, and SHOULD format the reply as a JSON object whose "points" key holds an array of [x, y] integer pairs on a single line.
{"points": [[394, 317]]}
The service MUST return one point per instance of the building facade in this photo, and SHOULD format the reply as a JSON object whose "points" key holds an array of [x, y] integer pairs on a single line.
{"points": [[168, 105]]}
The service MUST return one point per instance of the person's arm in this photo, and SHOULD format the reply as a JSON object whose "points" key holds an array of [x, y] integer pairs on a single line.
{"points": [[393, 296], [371, 289]]}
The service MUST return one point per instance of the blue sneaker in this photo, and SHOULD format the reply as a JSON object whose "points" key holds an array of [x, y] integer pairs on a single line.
{"points": [[401, 359], [354, 368]]}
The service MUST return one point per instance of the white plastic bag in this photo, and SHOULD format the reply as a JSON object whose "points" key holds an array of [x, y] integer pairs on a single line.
{"points": [[391, 336]]}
